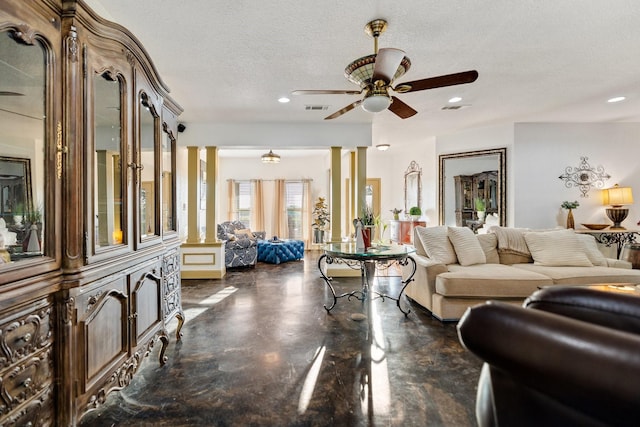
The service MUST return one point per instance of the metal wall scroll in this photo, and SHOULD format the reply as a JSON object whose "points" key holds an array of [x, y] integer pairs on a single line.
{"points": [[584, 176]]}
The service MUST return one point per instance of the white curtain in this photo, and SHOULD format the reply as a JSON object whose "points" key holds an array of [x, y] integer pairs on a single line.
{"points": [[280, 209], [306, 213], [231, 198], [257, 206]]}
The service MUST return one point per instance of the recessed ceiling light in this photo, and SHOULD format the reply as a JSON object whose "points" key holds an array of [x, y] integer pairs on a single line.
{"points": [[616, 99], [455, 99], [283, 100]]}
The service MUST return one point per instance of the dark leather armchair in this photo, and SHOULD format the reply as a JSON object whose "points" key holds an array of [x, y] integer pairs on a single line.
{"points": [[570, 356]]}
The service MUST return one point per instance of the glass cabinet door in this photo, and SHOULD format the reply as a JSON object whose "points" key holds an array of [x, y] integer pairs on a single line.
{"points": [[107, 159], [22, 151], [168, 183], [147, 171]]}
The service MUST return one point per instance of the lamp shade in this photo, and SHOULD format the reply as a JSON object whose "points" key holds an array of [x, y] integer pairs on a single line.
{"points": [[617, 196], [270, 157], [376, 103]]}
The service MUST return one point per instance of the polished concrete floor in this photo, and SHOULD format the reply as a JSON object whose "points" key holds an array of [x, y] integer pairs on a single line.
{"points": [[259, 349]]}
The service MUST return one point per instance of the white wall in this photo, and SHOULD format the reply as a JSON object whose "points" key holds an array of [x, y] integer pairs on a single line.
{"points": [[542, 152], [498, 136]]}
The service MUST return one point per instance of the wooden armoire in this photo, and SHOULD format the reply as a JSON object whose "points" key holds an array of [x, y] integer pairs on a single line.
{"points": [[89, 266]]}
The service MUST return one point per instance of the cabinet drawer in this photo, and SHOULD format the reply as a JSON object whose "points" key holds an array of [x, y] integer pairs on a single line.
{"points": [[171, 283], [171, 304], [37, 412], [25, 380], [170, 263], [25, 332]]}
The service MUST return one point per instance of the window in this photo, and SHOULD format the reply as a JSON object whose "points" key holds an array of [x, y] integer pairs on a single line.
{"points": [[294, 196], [243, 202]]}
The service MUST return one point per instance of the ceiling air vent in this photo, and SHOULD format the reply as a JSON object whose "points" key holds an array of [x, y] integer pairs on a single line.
{"points": [[455, 107], [316, 107]]}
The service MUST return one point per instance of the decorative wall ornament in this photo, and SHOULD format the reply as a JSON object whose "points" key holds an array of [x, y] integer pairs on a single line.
{"points": [[584, 176]]}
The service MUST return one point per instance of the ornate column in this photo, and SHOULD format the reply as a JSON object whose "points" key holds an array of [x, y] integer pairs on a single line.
{"points": [[361, 180], [193, 162], [336, 197], [212, 183]]}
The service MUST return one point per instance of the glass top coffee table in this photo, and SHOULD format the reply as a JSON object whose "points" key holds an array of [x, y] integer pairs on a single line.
{"points": [[366, 260]]}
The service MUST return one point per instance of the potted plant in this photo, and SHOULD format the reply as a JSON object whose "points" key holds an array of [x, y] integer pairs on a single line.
{"points": [[570, 206], [321, 220], [415, 212], [481, 207], [396, 213]]}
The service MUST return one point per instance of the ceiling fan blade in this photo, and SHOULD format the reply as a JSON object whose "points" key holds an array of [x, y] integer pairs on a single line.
{"points": [[440, 81], [387, 62], [401, 109], [344, 110], [326, 92]]}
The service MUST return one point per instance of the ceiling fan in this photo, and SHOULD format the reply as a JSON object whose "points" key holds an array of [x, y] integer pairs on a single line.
{"points": [[375, 74]]}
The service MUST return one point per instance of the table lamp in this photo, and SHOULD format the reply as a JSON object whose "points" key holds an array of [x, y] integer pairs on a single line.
{"points": [[617, 197]]}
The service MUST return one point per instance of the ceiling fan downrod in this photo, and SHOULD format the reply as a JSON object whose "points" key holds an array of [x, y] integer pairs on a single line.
{"points": [[374, 29]]}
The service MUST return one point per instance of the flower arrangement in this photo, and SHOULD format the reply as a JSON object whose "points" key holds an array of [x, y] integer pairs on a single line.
{"points": [[480, 204], [569, 205]]}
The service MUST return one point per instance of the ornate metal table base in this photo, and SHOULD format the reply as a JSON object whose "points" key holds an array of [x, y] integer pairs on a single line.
{"points": [[367, 273], [615, 237]]}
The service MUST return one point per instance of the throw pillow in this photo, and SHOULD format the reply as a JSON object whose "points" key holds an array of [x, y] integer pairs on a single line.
{"points": [[467, 246], [557, 248], [489, 243], [590, 247], [244, 231], [437, 245]]}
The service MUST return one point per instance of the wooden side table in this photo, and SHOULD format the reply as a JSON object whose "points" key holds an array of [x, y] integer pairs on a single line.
{"points": [[401, 231]]}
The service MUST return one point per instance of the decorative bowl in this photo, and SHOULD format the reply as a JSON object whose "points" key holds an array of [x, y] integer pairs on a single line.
{"points": [[596, 226]]}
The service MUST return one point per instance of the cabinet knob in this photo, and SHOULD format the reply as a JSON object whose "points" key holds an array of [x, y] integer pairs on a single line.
{"points": [[27, 383], [26, 337]]}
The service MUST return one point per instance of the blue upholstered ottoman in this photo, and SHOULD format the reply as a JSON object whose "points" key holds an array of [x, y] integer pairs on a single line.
{"points": [[277, 252]]}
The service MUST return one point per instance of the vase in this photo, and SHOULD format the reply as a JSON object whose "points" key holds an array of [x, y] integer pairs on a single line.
{"points": [[366, 236], [570, 222], [481, 215]]}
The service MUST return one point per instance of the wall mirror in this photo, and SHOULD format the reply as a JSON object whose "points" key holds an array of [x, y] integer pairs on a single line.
{"points": [[466, 176], [412, 187], [15, 189]]}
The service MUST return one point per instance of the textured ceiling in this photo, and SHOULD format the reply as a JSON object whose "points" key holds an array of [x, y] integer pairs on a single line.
{"points": [[229, 61]]}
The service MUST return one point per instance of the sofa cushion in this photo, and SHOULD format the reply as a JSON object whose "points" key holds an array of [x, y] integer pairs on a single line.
{"points": [[583, 275], [242, 232], [466, 245], [436, 243], [489, 243], [590, 247], [557, 248], [489, 281]]}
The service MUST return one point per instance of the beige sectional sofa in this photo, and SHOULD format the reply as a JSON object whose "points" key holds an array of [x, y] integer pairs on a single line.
{"points": [[457, 269]]}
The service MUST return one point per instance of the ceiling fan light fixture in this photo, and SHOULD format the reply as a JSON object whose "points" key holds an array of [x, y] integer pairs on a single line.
{"points": [[376, 103], [270, 157]]}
